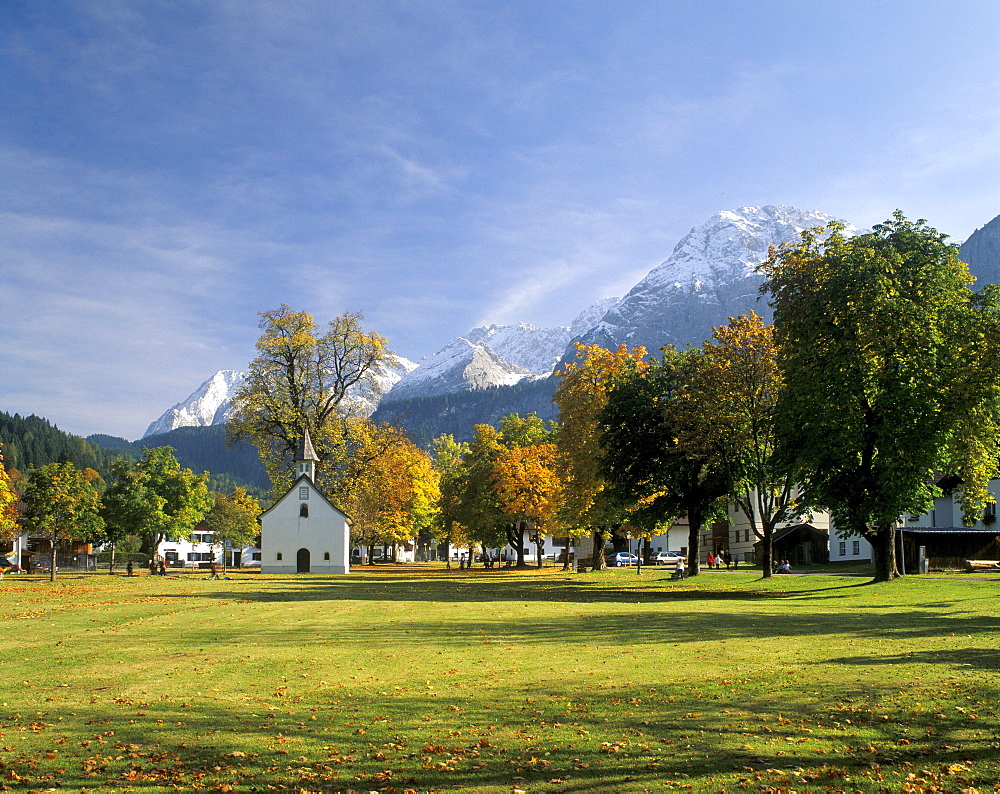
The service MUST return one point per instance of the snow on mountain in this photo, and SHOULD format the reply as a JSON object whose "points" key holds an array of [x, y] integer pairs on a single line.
{"points": [[591, 316], [495, 355], [209, 404], [710, 276], [526, 346], [212, 402], [459, 366], [364, 402]]}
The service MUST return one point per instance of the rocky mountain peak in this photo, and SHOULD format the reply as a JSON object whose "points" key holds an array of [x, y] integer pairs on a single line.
{"points": [[981, 252], [710, 276]]}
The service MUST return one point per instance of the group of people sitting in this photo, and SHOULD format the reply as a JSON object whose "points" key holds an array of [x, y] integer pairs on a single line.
{"points": [[781, 566]]}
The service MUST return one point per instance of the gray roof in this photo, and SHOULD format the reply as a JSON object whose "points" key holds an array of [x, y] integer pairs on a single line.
{"points": [[306, 451]]}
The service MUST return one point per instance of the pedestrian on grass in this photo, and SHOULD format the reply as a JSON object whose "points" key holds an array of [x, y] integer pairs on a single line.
{"points": [[128, 568], [215, 570], [710, 560], [163, 568]]}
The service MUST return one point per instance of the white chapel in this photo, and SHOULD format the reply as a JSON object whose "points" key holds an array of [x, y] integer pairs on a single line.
{"points": [[304, 532]]}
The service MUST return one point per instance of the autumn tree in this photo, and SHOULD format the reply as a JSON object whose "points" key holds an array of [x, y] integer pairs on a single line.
{"points": [[526, 450], [8, 504], [588, 506], [304, 380], [485, 509], [528, 488], [888, 360], [393, 490], [667, 452], [233, 521], [738, 375], [61, 504]]}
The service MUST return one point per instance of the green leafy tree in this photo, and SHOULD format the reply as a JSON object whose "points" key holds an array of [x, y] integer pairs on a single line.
{"points": [[130, 506], [888, 360], [667, 451], [478, 507], [303, 380], [448, 461], [60, 503], [233, 521], [184, 494]]}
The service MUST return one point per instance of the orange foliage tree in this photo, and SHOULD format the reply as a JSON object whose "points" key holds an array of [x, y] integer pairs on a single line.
{"points": [[528, 487]]}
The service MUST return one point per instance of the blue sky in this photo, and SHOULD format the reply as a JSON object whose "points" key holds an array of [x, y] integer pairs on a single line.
{"points": [[171, 168]]}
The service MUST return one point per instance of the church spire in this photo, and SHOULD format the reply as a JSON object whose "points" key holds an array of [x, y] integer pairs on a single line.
{"points": [[306, 459]]}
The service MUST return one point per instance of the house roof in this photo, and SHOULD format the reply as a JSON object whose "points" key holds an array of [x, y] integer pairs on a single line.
{"points": [[312, 485], [786, 531]]}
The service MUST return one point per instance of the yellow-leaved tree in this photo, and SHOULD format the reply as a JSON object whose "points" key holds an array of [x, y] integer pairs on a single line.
{"points": [[528, 488], [8, 505], [391, 491], [304, 380]]}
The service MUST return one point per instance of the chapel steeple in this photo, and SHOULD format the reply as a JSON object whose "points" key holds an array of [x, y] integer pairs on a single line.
{"points": [[306, 458]]}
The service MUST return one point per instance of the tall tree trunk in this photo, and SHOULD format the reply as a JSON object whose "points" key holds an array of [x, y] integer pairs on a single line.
{"points": [[695, 520], [447, 554], [52, 561], [111, 565], [566, 563], [767, 550], [515, 537], [600, 562], [883, 543]]}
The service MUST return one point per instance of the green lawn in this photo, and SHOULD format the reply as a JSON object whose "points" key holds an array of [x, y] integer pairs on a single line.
{"points": [[421, 678]]}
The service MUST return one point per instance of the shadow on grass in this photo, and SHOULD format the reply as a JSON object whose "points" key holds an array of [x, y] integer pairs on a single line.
{"points": [[337, 738], [981, 658]]}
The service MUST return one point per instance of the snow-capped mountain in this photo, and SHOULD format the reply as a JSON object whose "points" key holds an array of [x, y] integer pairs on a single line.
{"points": [[525, 346], [209, 404], [710, 276], [212, 402], [459, 366], [495, 355]]}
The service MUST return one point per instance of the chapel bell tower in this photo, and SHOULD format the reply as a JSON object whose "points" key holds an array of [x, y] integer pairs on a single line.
{"points": [[306, 459]]}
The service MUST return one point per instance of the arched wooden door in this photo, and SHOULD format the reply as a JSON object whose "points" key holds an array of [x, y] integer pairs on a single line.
{"points": [[302, 561]]}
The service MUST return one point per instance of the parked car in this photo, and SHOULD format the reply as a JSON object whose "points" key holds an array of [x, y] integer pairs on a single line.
{"points": [[621, 559], [666, 558]]}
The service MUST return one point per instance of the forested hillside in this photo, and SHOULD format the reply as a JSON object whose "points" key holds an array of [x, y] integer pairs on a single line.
{"points": [[33, 441], [200, 449], [425, 418]]}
